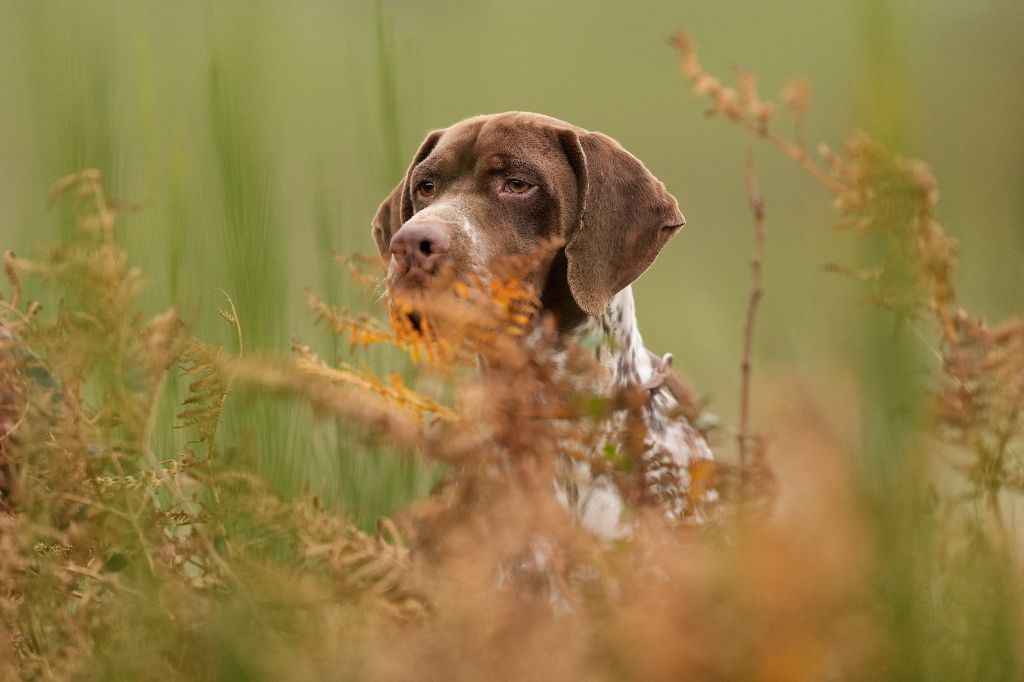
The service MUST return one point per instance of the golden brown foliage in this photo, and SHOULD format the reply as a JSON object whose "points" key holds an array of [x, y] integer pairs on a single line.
{"points": [[980, 394]]}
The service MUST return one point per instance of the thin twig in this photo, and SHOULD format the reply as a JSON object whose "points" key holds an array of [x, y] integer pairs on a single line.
{"points": [[10, 267], [232, 317], [797, 153], [743, 438], [724, 104], [110, 581]]}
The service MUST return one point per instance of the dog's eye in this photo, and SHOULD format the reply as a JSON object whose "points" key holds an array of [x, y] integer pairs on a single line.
{"points": [[515, 186], [425, 188]]}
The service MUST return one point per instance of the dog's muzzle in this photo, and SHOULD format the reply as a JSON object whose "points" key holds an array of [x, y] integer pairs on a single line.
{"points": [[418, 251]]}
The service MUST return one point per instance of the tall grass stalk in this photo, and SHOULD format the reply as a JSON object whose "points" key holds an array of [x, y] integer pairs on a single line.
{"points": [[893, 366]]}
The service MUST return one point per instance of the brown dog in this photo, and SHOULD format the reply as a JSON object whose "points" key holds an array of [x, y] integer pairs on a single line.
{"points": [[501, 185]]}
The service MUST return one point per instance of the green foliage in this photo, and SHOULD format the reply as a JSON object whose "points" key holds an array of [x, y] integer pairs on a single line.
{"points": [[114, 561]]}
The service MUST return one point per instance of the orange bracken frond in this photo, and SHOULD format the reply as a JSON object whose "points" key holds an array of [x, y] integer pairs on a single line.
{"points": [[394, 391]]}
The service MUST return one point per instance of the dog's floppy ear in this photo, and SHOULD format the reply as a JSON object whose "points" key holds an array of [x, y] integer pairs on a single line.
{"points": [[397, 207], [625, 218], [388, 219]]}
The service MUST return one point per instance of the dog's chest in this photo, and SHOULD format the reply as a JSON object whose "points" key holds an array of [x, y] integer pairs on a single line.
{"points": [[670, 448]]}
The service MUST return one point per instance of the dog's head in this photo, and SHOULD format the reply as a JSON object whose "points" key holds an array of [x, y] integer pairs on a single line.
{"points": [[500, 185]]}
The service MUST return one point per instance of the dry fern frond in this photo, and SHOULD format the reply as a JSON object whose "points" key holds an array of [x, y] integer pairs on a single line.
{"points": [[151, 479], [364, 565], [364, 409], [361, 330], [874, 191], [980, 404], [979, 399], [481, 318], [395, 392], [208, 390]]}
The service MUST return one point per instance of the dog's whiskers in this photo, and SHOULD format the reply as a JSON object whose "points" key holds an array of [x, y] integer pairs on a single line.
{"points": [[380, 290]]}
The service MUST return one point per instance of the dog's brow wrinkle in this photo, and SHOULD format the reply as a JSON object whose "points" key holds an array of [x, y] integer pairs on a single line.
{"points": [[507, 162]]}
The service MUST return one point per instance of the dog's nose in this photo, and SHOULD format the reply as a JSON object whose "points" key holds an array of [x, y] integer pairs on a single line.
{"points": [[421, 245]]}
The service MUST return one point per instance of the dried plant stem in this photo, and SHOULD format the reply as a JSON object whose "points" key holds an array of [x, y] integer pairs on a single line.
{"points": [[744, 438], [10, 267], [996, 507], [747, 110], [232, 317], [796, 152]]}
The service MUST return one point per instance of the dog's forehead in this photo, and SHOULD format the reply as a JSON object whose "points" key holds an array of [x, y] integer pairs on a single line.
{"points": [[489, 138]]}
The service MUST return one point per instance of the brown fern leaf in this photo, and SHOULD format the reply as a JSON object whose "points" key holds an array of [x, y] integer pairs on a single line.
{"points": [[362, 330], [364, 565], [980, 404], [394, 392], [208, 390]]}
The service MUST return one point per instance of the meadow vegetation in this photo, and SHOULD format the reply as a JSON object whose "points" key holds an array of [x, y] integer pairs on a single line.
{"points": [[852, 540]]}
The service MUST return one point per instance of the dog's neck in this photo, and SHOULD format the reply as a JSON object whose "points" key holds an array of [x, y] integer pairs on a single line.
{"points": [[614, 334], [672, 444], [556, 299], [620, 348]]}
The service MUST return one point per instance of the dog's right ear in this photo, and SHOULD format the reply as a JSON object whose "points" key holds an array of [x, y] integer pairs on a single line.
{"points": [[625, 217], [397, 207]]}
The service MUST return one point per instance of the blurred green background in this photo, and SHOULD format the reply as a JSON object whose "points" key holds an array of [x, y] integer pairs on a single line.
{"points": [[259, 136]]}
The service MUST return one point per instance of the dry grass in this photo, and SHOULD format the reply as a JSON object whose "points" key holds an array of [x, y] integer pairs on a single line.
{"points": [[120, 562]]}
